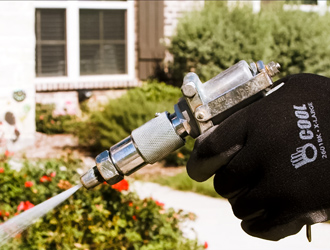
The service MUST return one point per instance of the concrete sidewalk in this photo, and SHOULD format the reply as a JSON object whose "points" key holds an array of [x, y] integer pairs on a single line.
{"points": [[217, 225]]}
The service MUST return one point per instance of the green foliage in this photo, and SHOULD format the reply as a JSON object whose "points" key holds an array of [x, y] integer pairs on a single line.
{"points": [[183, 182], [118, 118], [48, 123], [213, 39], [102, 218]]}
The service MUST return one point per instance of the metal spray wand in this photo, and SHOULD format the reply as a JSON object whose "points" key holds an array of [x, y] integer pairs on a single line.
{"points": [[203, 105]]}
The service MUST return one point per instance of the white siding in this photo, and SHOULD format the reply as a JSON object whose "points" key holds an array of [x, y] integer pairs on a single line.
{"points": [[17, 72]]}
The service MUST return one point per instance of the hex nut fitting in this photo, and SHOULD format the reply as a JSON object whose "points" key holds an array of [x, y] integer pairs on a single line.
{"points": [[107, 169], [91, 178], [272, 68], [199, 115], [254, 68]]}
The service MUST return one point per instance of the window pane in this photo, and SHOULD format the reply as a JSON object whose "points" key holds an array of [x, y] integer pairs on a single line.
{"points": [[114, 24], [102, 42], [312, 2], [89, 24], [52, 24], [50, 42], [53, 60], [114, 59], [90, 59], [309, 1]]}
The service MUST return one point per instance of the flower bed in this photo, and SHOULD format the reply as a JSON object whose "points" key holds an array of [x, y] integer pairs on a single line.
{"points": [[103, 218], [50, 122]]}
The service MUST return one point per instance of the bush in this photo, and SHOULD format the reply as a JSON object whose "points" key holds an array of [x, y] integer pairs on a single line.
{"points": [[183, 182], [48, 123], [118, 118], [103, 218], [213, 39]]}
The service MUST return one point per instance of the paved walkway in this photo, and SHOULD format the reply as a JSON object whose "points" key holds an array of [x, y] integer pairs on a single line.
{"points": [[217, 225]]}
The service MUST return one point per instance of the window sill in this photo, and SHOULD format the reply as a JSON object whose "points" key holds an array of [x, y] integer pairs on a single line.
{"points": [[302, 7], [85, 82]]}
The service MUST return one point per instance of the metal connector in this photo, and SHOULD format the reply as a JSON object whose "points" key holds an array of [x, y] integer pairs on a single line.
{"points": [[91, 178]]}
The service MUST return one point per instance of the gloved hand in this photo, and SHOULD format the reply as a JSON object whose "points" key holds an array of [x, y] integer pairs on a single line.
{"points": [[270, 159]]}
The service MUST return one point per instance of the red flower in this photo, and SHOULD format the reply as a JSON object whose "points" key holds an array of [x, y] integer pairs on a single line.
{"points": [[45, 178], [159, 204], [7, 214], [8, 153], [28, 184], [180, 155], [41, 117], [28, 205], [53, 174], [120, 186], [134, 217], [2, 170], [17, 213], [130, 204], [206, 245], [23, 206], [0, 213]]}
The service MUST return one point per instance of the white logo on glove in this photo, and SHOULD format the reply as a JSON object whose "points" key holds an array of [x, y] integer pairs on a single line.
{"points": [[300, 158], [309, 131]]}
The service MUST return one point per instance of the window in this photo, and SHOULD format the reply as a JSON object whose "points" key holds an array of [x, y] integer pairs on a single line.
{"points": [[312, 2], [102, 42], [308, 2], [50, 42]]}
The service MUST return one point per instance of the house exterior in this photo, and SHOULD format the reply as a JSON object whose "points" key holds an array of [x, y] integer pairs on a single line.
{"points": [[319, 6], [60, 51]]}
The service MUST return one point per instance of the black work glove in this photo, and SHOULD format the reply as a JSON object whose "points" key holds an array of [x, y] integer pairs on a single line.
{"points": [[270, 159]]}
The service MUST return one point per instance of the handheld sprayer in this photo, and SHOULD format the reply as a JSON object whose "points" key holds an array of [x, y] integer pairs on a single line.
{"points": [[203, 105]]}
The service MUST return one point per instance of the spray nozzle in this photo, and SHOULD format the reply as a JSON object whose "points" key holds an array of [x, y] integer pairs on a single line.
{"points": [[91, 178], [103, 171]]}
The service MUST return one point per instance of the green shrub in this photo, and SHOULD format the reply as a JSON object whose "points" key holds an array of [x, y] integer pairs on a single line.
{"points": [[48, 123], [102, 218], [118, 118], [214, 38], [183, 182]]}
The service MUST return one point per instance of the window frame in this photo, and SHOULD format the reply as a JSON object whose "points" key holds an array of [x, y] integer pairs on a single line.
{"points": [[73, 40]]}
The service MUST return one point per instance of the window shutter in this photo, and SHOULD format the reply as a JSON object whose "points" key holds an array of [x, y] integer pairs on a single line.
{"points": [[151, 31]]}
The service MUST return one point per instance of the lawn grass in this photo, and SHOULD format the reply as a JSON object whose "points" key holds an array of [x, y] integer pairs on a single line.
{"points": [[183, 182]]}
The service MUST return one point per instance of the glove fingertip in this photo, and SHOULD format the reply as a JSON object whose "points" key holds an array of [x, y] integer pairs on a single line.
{"points": [[194, 171], [269, 231]]}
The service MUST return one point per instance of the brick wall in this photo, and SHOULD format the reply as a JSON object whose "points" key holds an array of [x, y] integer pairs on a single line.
{"points": [[173, 10]]}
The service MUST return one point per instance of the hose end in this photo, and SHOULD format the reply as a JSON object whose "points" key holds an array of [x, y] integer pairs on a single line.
{"points": [[91, 178]]}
